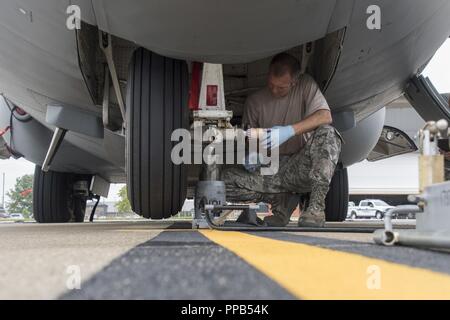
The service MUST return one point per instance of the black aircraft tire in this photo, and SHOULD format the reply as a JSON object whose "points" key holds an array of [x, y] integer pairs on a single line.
{"points": [[79, 209], [51, 196], [336, 202], [157, 104]]}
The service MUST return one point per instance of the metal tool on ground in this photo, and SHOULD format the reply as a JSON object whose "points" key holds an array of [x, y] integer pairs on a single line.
{"points": [[433, 204]]}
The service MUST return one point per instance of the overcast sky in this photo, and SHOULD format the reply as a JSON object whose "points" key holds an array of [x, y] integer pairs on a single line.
{"points": [[438, 70]]}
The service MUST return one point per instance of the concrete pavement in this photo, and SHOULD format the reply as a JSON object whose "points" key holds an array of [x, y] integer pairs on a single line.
{"points": [[166, 260]]}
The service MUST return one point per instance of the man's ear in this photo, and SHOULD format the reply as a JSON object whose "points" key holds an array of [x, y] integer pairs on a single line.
{"points": [[296, 78]]}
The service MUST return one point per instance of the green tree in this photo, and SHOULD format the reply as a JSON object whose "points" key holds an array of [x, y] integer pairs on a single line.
{"points": [[123, 205], [21, 197]]}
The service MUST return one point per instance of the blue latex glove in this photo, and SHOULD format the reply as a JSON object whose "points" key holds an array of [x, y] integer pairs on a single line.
{"points": [[270, 141], [251, 162]]}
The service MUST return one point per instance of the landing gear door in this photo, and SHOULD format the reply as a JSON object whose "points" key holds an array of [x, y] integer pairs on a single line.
{"points": [[427, 101], [392, 142]]}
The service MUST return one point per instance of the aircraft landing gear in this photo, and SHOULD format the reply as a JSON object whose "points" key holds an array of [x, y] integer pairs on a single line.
{"points": [[59, 197], [156, 106]]}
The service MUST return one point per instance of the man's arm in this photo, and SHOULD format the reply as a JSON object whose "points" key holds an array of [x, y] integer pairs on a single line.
{"points": [[312, 122], [317, 109], [250, 117]]}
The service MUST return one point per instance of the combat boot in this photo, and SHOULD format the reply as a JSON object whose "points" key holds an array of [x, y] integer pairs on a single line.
{"points": [[312, 219], [314, 215]]}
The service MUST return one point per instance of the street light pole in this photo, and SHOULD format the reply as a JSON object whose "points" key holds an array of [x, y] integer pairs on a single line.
{"points": [[3, 192]]}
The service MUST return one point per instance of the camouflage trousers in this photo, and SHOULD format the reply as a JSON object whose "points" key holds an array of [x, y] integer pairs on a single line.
{"points": [[308, 171]]}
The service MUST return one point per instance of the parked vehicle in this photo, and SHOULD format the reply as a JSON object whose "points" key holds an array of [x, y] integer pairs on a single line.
{"points": [[410, 215], [370, 208], [16, 216], [351, 211], [3, 213]]}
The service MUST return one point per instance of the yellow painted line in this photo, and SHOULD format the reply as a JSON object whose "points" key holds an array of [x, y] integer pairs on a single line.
{"points": [[310, 272]]}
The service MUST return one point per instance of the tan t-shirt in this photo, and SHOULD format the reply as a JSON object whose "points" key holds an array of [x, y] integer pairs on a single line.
{"points": [[263, 110]]}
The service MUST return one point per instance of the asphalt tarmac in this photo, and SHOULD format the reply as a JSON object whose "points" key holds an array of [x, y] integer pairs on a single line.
{"points": [[168, 260]]}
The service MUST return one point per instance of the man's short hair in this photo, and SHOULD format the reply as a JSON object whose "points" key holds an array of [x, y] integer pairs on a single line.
{"points": [[283, 63]]}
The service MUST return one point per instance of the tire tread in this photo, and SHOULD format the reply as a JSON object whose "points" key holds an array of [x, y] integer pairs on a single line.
{"points": [[336, 203], [157, 104]]}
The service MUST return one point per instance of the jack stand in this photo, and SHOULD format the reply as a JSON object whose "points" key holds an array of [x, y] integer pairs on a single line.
{"points": [[208, 191], [199, 221], [210, 202]]}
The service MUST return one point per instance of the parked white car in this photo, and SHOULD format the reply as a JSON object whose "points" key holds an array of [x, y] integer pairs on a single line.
{"points": [[371, 208], [16, 216], [351, 210]]}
